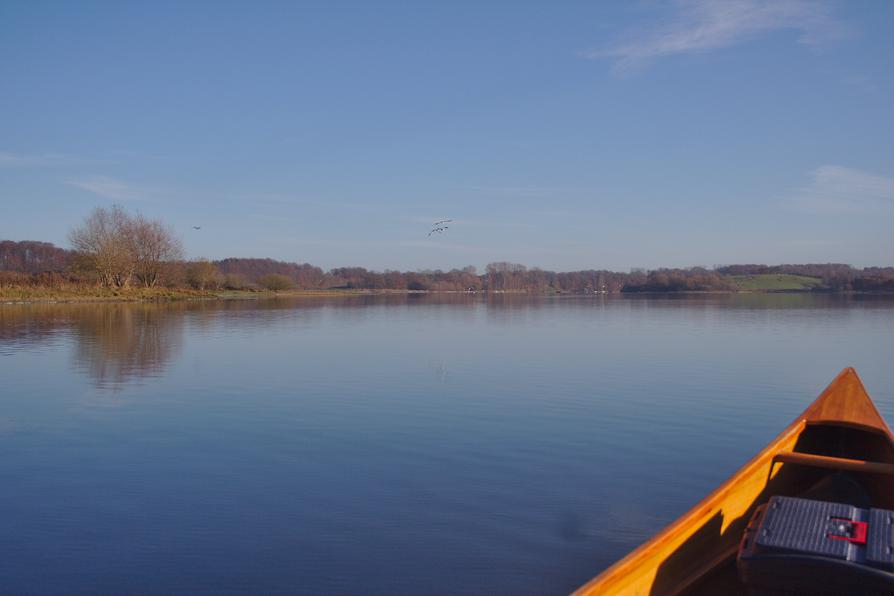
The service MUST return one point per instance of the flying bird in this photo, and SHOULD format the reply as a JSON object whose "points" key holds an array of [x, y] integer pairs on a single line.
{"points": [[197, 227], [437, 227]]}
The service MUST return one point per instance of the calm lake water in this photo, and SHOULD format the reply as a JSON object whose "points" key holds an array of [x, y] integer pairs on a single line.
{"points": [[391, 445]]}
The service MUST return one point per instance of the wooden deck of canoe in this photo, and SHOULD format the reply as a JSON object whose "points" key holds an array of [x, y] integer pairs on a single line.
{"points": [[840, 435]]}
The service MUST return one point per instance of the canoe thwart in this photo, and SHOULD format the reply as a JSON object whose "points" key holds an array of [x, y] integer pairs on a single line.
{"points": [[833, 463]]}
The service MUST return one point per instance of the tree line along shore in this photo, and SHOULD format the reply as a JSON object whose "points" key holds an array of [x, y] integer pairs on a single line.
{"points": [[115, 255]]}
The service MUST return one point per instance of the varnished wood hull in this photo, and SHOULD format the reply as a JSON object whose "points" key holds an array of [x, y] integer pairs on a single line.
{"points": [[841, 433]]}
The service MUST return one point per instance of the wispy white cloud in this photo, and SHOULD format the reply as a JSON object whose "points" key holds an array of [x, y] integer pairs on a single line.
{"points": [[18, 160], [861, 82], [705, 25], [110, 188], [837, 189]]}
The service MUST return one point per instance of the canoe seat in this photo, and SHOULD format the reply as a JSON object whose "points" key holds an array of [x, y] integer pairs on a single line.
{"points": [[833, 463], [801, 546]]}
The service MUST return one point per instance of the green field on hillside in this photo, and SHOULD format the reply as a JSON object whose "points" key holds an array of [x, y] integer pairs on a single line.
{"points": [[774, 281]]}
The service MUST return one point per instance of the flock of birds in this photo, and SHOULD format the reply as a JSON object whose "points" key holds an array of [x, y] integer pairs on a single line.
{"points": [[438, 228]]}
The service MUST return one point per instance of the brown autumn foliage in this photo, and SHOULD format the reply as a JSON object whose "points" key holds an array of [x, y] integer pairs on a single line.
{"points": [[33, 257], [204, 275], [118, 248], [234, 281], [154, 247], [252, 270], [276, 282], [696, 279], [115, 250]]}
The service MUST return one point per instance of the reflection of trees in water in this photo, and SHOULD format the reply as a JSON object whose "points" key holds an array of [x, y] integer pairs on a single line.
{"points": [[118, 343], [27, 325], [113, 343]]}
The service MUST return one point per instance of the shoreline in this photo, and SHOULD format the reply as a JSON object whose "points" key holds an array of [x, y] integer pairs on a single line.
{"points": [[38, 296], [142, 295]]}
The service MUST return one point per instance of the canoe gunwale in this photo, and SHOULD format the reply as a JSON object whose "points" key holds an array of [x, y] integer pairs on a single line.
{"points": [[711, 505], [844, 402]]}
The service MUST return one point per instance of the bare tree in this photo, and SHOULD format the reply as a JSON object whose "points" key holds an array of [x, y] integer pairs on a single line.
{"points": [[234, 281], [203, 275], [155, 246], [276, 281], [118, 247], [104, 247]]}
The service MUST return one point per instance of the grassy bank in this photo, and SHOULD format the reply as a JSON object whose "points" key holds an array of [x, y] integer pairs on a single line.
{"points": [[96, 294], [773, 282], [85, 293], [99, 294]]}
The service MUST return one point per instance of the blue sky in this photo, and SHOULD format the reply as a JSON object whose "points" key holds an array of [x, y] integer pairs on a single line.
{"points": [[561, 135]]}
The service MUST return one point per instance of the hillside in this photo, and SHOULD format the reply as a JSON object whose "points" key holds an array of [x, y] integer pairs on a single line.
{"points": [[775, 282]]}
